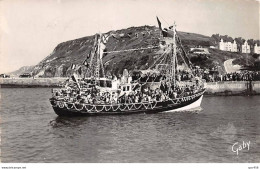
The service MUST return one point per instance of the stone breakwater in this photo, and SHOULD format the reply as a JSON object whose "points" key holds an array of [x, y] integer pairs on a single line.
{"points": [[30, 82], [228, 88]]}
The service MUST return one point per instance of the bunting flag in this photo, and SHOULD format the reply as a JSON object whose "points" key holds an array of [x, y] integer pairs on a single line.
{"points": [[80, 71], [104, 38], [66, 83], [102, 48], [74, 78], [129, 35], [85, 63], [89, 55], [73, 66]]}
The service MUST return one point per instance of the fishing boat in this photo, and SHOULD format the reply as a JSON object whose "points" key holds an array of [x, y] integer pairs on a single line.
{"points": [[164, 86]]}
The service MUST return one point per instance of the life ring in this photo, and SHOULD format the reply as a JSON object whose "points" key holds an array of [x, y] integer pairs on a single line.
{"points": [[61, 104]]}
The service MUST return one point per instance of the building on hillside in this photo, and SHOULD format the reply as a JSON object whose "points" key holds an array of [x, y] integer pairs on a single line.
{"points": [[234, 47], [228, 45], [256, 49], [245, 47], [200, 50]]}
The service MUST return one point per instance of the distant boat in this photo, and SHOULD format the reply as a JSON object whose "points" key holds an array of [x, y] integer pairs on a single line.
{"points": [[4, 76], [160, 88], [25, 75]]}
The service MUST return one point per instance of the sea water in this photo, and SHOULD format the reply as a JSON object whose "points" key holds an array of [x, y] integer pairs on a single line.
{"points": [[32, 132]]}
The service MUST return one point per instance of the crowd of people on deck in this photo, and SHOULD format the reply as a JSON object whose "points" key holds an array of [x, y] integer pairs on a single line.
{"points": [[163, 93], [141, 94]]}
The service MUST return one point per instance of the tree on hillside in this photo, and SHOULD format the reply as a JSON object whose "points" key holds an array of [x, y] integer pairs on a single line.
{"points": [[257, 42], [230, 39], [250, 42], [216, 37], [239, 40], [224, 37]]}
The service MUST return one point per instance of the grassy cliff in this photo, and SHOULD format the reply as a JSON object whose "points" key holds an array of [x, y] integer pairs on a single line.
{"points": [[57, 64]]}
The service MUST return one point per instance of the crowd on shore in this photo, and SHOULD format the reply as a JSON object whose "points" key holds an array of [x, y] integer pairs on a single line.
{"points": [[241, 76]]}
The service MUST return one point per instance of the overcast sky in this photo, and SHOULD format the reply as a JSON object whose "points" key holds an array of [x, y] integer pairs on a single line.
{"points": [[31, 29]]}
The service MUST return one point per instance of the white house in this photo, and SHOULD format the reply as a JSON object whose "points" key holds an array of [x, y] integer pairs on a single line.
{"points": [[222, 45], [256, 49], [245, 48], [234, 47], [228, 46]]}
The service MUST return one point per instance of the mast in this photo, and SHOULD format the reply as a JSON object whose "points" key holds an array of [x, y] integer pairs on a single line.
{"points": [[96, 68], [100, 56], [91, 71], [173, 55], [98, 59]]}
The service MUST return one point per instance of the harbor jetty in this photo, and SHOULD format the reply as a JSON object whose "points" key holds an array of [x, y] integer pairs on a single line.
{"points": [[30, 82], [221, 88], [231, 88]]}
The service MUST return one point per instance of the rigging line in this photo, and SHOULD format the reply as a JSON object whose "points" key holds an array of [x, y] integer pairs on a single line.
{"points": [[188, 65], [179, 40], [92, 56], [131, 49], [159, 58], [165, 21], [154, 64], [164, 60], [159, 63], [176, 59]]}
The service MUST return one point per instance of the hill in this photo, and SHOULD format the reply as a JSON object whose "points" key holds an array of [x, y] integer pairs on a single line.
{"points": [[22, 70], [58, 63]]}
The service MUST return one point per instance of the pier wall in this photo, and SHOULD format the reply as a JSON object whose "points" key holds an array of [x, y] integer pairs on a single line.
{"points": [[213, 88], [30, 82], [233, 88]]}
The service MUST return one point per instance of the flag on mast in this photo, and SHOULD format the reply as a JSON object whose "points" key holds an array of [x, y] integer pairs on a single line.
{"points": [[165, 32], [103, 41], [159, 23]]}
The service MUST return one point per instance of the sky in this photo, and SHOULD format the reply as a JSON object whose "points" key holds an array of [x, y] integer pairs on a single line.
{"points": [[31, 29]]}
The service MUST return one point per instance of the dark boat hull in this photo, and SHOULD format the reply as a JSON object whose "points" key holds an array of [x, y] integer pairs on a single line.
{"points": [[185, 103]]}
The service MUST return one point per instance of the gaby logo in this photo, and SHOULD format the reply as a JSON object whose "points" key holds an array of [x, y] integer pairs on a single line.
{"points": [[239, 147]]}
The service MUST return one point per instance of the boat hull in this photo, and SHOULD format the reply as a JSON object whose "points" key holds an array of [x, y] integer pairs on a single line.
{"points": [[180, 104]]}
